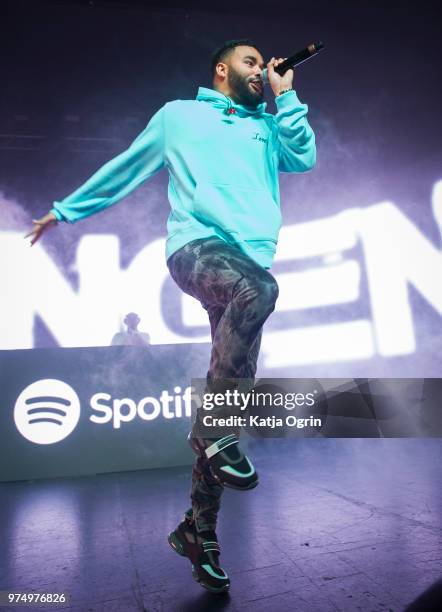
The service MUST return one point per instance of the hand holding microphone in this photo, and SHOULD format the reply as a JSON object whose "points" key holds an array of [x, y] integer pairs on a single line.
{"points": [[284, 67], [277, 82]]}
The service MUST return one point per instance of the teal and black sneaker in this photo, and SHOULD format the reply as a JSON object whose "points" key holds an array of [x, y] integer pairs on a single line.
{"points": [[202, 549], [228, 462]]}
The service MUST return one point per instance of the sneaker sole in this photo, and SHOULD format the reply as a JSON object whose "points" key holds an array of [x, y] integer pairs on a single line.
{"points": [[176, 545], [212, 589], [249, 488], [232, 486]]}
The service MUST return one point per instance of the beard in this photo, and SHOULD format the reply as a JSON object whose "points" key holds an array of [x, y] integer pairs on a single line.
{"points": [[243, 92]]}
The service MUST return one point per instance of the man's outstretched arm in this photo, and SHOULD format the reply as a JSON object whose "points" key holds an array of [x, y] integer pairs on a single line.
{"points": [[113, 181], [118, 177]]}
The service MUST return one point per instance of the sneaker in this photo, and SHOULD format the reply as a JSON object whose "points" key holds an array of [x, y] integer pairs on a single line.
{"points": [[228, 463], [203, 551]]}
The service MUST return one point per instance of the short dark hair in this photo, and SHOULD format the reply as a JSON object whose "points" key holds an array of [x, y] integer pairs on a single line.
{"points": [[226, 49]]}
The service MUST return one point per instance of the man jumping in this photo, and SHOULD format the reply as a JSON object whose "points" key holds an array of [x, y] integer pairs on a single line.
{"points": [[223, 153]]}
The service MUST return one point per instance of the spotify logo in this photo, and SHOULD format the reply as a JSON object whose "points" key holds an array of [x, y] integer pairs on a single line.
{"points": [[47, 411]]}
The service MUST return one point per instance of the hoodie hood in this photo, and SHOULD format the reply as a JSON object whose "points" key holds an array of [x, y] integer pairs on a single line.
{"points": [[223, 102]]}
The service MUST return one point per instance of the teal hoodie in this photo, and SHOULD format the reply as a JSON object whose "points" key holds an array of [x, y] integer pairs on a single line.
{"points": [[223, 161]]}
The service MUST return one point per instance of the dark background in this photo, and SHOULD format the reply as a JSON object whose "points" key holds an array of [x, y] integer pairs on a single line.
{"points": [[81, 79]]}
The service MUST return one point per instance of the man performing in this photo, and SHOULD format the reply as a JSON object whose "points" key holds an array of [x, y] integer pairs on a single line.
{"points": [[223, 153]]}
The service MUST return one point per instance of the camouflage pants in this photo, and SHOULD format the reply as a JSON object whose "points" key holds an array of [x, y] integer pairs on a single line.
{"points": [[238, 296]]}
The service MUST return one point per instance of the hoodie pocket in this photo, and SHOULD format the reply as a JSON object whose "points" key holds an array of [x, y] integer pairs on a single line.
{"points": [[243, 213]]}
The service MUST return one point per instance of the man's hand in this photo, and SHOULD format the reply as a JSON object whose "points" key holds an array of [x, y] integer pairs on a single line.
{"points": [[277, 82], [40, 226]]}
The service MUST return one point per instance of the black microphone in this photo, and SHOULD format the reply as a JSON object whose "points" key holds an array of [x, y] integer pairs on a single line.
{"points": [[295, 60]]}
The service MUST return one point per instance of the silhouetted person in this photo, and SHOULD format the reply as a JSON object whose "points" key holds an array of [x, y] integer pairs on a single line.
{"points": [[131, 337]]}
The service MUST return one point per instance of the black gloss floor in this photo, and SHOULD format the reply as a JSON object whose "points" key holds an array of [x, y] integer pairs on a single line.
{"points": [[333, 525]]}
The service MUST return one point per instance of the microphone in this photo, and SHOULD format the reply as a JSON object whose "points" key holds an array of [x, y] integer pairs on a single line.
{"points": [[295, 60]]}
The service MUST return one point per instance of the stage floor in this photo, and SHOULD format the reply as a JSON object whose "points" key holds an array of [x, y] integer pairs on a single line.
{"points": [[343, 524]]}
